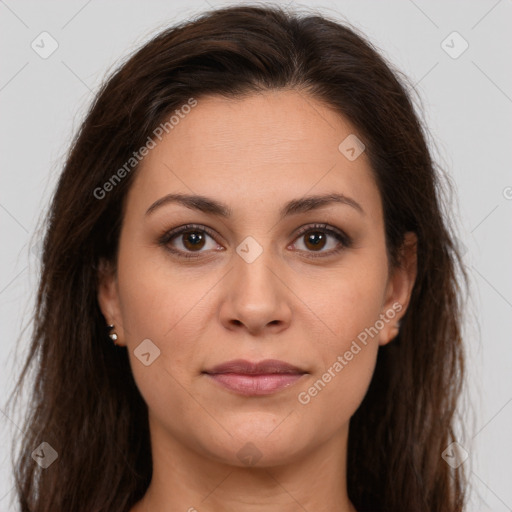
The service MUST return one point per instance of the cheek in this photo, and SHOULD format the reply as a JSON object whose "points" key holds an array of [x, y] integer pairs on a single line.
{"points": [[347, 306], [155, 295], [166, 305], [336, 393], [345, 301], [164, 309]]}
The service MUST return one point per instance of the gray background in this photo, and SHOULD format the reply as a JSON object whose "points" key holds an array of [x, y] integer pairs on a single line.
{"points": [[467, 105]]}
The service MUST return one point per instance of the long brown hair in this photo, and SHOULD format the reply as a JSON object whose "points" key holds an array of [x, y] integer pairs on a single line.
{"points": [[84, 401]]}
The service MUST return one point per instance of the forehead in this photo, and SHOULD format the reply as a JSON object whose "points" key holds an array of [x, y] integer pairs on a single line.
{"points": [[272, 125], [264, 146]]}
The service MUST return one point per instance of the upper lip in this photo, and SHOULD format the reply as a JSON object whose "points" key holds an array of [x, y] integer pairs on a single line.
{"points": [[267, 366]]}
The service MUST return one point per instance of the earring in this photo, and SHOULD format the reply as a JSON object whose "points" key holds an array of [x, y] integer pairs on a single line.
{"points": [[113, 335], [396, 331]]}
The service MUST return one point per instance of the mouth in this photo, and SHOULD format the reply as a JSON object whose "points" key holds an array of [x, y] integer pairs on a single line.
{"points": [[255, 379]]}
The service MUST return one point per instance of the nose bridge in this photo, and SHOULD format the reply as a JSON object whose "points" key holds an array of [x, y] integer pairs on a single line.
{"points": [[253, 261], [256, 296]]}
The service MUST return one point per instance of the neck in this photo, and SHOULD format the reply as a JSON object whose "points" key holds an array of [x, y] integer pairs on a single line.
{"points": [[186, 480]]}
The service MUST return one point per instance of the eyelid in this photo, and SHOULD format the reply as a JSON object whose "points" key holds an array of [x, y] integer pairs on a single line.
{"points": [[321, 226]]}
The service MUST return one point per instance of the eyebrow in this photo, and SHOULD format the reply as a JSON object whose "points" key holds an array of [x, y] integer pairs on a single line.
{"points": [[213, 207]]}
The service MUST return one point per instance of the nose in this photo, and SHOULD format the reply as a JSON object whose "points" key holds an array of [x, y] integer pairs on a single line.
{"points": [[256, 297]]}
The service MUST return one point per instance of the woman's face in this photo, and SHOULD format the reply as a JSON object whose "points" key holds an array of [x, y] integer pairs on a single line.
{"points": [[267, 279]]}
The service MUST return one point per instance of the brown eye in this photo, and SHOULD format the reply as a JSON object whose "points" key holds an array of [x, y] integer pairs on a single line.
{"points": [[188, 241], [193, 240], [315, 240]]}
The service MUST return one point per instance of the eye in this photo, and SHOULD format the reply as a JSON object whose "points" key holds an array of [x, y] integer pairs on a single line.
{"points": [[315, 238], [190, 240], [187, 240]]}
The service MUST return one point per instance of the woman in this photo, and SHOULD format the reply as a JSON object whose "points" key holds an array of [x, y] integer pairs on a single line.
{"points": [[249, 295]]}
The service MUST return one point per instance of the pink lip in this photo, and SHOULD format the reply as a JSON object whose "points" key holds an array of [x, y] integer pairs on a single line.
{"points": [[262, 378]]}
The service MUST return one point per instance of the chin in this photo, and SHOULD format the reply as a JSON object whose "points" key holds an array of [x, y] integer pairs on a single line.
{"points": [[258, 445]]}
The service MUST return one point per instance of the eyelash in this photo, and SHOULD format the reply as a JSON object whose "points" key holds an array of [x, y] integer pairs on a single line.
{"points": [[345, 240]]}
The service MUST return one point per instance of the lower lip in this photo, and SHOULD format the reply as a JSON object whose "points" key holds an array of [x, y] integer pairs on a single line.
{"points": [[255, 385]]}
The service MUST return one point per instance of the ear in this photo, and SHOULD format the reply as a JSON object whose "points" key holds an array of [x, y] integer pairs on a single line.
{"points": [[399, 288], [108, 299]]}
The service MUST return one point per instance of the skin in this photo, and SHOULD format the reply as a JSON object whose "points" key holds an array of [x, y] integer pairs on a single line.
{"points": [[254, 155]]}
